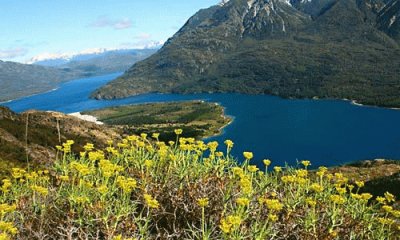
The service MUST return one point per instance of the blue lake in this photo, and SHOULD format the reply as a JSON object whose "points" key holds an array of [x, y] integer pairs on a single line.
{"points": [[327, 132]]}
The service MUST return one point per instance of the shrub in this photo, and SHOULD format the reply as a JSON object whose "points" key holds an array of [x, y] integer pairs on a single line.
{"points": [[143, 188]]}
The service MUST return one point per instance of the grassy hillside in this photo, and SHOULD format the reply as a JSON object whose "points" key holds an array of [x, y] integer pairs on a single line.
{"points": [[198, 119], [142, 188], [45, 130]]}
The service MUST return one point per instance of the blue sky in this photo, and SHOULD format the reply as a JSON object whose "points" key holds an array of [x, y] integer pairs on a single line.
{"points": [[34, 28]]}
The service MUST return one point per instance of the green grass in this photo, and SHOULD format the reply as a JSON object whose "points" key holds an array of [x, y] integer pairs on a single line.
{"points": [[198, 119]]}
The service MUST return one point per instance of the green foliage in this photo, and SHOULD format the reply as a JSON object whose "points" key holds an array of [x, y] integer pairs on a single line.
{"points": [[142, 188], [198, 119]]}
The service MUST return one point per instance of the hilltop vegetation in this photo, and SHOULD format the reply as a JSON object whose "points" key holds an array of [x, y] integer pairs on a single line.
{"points": [[198, 119], [142, 188], [45, 131], [325, 48]]}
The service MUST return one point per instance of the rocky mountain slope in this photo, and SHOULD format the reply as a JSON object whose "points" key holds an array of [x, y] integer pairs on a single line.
{"points": [[291, 48]]}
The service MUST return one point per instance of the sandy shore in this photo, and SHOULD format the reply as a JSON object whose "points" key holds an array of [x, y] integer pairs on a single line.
{"points": [[88, 118]]}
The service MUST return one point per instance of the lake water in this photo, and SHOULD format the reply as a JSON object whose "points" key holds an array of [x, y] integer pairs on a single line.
{"points": [[327, 132]]}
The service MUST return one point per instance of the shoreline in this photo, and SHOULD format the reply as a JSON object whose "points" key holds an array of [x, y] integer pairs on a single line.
{"points": [[354, 102], [31, 95], [221, 130]]}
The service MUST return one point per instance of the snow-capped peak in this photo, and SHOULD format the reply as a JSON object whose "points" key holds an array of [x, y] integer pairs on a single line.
{"points": [[223, 2]]}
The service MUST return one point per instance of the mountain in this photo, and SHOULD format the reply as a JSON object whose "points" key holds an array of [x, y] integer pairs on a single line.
{"points": [[109, 61], [20, 80], [291, 48], [98, 60]]}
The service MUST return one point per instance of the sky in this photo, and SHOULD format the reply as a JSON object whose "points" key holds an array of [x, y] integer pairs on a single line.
{"points": [[44, 28]]}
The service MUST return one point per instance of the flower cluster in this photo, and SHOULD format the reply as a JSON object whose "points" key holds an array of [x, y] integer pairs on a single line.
{"points": [[143, 188]]}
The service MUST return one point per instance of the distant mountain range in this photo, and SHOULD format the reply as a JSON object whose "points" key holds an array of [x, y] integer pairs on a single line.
{"points": [[44, 74], [291, 48]]}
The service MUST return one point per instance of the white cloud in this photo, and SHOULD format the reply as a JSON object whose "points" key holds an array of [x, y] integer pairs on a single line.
{"points": [[12, 53], [106, 22]]}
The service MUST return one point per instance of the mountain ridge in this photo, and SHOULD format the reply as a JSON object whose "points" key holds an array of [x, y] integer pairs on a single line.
{"points": [[323, 48]]}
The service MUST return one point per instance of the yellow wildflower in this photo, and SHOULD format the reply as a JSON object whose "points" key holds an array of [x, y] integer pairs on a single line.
{"points": [[366, 196], [317, 188], [337, 199], [143, 135], [103, 189], [150, 201], [88, 147], [234, 220], [213, 146], [333, 233], [178, 131], [219, 154], [5, 208], [248, 155], [126, 184], [386, 221], [237, 171], [8, 227], [387, 208], [155, 135], [64, 178], [41, 190], [228, 143], [306, 163], [389, 197], [381, 200], [288, 179], [278, 169], [246, 185], [311, 202], [274, 204], [302, 173], [252, 168], [267, 162], [79, 199], [360, 184], [341, 190], [6, 185], [149, 163], [272, 217], [18, 172], [4, 236], [396, 213], [356, 196], [225, 226], [242, 201], [202, 202]]}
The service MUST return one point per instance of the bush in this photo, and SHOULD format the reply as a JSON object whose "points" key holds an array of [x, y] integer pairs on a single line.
{"points": [[187, 189]]}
